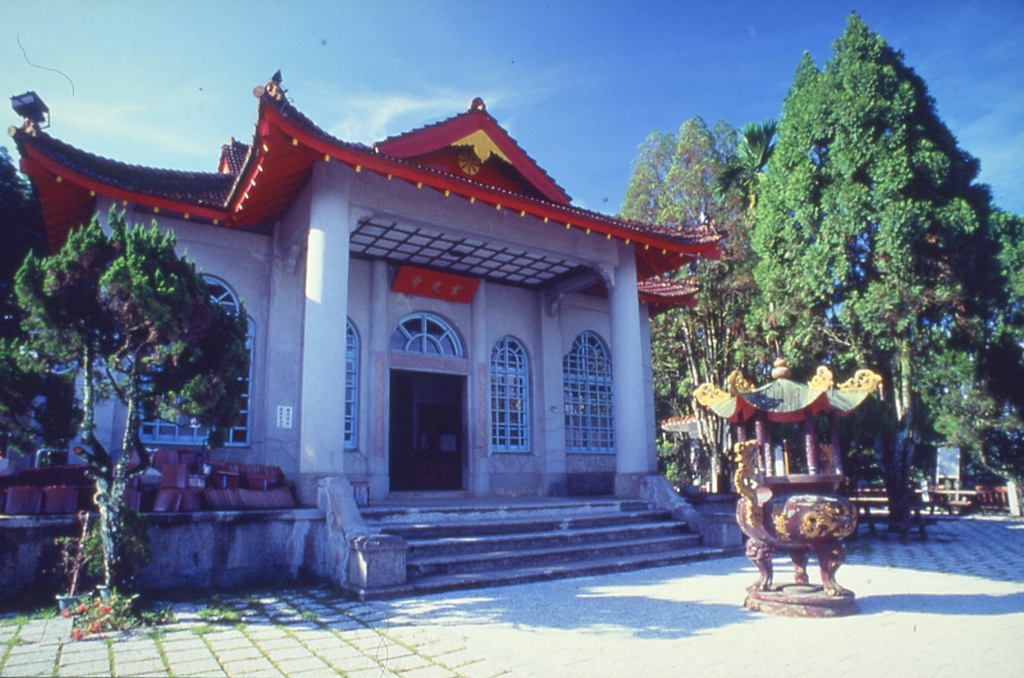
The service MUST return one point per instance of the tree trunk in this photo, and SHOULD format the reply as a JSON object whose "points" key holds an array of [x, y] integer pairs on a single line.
{"points": [[900, 450], [101, 467]]}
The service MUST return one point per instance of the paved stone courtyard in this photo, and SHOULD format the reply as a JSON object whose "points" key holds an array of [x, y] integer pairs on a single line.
{"points": [[945, 606]]}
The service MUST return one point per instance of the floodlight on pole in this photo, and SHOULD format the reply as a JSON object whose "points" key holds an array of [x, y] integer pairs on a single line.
{"points": [[31, 107]]}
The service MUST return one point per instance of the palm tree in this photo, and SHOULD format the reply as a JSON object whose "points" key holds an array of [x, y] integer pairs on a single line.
{"points": [[752, 156]]}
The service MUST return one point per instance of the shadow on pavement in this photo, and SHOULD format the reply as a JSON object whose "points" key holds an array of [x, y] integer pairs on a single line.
{"points": [[637, 605]]}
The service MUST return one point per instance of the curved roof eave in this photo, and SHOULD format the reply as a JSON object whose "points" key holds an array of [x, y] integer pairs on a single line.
{"points": [[284, 135]]}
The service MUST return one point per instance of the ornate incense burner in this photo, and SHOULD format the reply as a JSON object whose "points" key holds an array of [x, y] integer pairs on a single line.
{"points": [[799, 513]]}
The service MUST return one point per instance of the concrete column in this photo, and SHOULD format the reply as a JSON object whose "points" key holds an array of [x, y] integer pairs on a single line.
{"points": [[478, 398], [548, 406], [323, 358], [375, 379], [634, 453]]}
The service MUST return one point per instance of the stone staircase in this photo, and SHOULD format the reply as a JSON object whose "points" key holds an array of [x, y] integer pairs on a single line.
{"points": [[460, 545]]}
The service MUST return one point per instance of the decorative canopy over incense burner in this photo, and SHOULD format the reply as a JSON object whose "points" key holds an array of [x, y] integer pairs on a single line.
{"points": [[797, 512]]}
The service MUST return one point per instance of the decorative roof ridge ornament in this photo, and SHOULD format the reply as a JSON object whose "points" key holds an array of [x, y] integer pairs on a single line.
{"points": [[707, 393], [864, 381], [272, 89], [737, 383], [822, 380]]}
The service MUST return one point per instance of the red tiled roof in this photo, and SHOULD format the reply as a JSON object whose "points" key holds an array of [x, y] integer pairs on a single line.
{"points": [[664, 293], [67, 180], [232, 157], [693, 240], [443, 133], [208, 189], [286, 145]]}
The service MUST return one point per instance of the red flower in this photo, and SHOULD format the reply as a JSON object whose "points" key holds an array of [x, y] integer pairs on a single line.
{"points": [[105, 609], [94, 627], [66, 613], [76, 635], [96, 603], [82, 608]]}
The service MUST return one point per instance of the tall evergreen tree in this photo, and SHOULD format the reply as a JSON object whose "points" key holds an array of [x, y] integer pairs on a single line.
{"points": [[34, 405], [873, 238], [134, 321], [674, 183]]}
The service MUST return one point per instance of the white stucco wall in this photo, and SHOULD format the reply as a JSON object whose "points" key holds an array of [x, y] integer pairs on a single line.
{"points": [[299, 358]]}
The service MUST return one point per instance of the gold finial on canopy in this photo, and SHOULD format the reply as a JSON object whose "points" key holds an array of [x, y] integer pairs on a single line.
{"points": [[864, 381], [780, 370]]}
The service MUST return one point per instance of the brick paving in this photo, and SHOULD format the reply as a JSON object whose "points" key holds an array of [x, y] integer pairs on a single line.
{"points": [[945, 606]]}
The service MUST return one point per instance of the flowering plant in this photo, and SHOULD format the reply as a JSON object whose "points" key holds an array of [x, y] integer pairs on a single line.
{"points": [[99, 615]]}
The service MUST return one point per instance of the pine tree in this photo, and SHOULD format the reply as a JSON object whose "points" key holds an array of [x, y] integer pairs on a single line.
{"points": [[134, 321]]}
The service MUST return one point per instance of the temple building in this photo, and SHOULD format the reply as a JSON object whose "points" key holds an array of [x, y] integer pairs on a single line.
{"points": [[427, 314]]}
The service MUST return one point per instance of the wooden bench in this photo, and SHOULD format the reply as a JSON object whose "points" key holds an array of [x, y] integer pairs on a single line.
{"points": [[991, 499], [953, 502], [873, 507]]}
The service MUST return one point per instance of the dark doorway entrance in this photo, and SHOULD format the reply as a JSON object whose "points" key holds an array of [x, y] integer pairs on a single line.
{"points": [[426, 431]]}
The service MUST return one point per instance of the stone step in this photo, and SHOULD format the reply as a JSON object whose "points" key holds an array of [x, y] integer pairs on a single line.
{"points": [[438, 583], [472, 511], [469, 543], [461, 525], [570, 554], [473, 543]]}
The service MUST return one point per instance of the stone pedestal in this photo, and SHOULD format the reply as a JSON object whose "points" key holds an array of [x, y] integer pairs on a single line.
{"points": [[801, 600], [376, 567], [720, 530]]}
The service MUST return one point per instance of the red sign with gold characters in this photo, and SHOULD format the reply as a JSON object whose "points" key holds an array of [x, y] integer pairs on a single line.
{"points": [[434, 285]]}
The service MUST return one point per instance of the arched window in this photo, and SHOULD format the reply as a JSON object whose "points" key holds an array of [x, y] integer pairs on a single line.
{"points": [[510, 397], [428, 334], [351, 385], [587, 384], [186, 432]]}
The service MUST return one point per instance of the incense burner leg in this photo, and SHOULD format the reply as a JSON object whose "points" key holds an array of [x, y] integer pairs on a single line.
{"points": [[830, 556], [760, 553], [799, 557]]}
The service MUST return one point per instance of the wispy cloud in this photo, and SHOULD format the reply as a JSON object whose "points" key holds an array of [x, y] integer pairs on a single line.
{"points": [[374, 116], [370, 116]]}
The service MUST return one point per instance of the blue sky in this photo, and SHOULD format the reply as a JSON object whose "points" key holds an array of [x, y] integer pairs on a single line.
{"points": [[580, 85]]}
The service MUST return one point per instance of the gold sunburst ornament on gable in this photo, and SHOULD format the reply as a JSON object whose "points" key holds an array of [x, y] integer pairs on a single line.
{"points": [[469, 163]]}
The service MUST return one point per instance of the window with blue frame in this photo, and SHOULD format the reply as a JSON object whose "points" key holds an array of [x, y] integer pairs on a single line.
{"points": [[510, 397], [428, 334], [188, 432], [587, 386], [351, 386]]}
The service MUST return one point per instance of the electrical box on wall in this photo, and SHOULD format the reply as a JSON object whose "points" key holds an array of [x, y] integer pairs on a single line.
{"points": [[284, 416]]}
